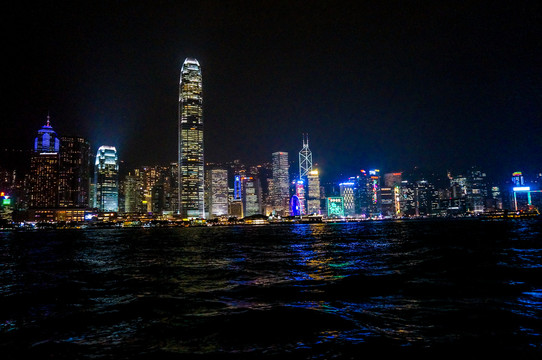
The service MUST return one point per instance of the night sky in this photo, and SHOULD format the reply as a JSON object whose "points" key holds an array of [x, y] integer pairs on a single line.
{"points": [[388, 85]]}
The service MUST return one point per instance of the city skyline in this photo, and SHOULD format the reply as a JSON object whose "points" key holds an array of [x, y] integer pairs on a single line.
{"points": [[57, 185], [375, 86]]}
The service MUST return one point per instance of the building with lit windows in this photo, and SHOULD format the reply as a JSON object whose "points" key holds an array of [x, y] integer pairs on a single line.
{"points": [[191, 162], [250, 196], [106, 179], [281, 182], [44, 169], [313, 194], [517, 178], [367, 194], [300, 193], [476, 191], [390, 194], [74, 175], [134, 198], [347, 193], [217, 189]]}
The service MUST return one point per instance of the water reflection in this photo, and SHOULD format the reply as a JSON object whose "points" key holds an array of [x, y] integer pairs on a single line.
{"points": [[219, 292]]}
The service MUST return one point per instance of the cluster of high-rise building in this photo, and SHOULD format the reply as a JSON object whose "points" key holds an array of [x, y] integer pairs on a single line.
{"points": [[66, 181], [415, 194]]}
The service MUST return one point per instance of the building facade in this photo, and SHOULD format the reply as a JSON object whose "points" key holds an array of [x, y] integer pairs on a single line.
{"points": [[347, 193], [106, 179], [313, 194], [281, 181], [44, 169], [305, 158], [217, 180], [191, 161], [74, 176]]}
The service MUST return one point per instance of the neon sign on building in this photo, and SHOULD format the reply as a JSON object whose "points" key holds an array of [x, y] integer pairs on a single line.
{"points": [[335, 206]]}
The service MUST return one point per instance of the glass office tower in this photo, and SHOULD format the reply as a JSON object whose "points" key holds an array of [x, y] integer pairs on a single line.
{"points": [[281, 181], [191, 163], [74, 176], [106, 179]]}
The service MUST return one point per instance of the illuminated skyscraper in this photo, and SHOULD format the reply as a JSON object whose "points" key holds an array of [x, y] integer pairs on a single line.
{"points": [[390, 194], [74, 178], [517, 178], [476, 190], [300, 193], [305, 158], [250, 199], [191, 163], [313, 194], [47, 140], [106, 179], [44, 169], [217, 180], [367, 194], [281, 181], [347, 193]]}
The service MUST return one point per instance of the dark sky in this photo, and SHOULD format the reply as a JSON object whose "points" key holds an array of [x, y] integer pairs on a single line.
{"points": [[378, 84]]}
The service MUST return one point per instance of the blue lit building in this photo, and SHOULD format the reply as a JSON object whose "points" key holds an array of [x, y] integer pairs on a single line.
{"points": [[44, 169], [47, 141]]}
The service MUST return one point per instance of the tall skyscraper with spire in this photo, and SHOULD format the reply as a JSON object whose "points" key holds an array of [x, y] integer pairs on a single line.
{"points": [[305, 168], [191, 162], [44, 169], [305, 158]]}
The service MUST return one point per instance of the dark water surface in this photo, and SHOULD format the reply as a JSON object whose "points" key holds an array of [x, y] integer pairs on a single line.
{"points": [[464, 288]]}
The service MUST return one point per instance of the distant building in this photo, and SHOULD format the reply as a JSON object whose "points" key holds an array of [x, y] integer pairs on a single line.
{"points": [[313, 193], [106, 179], [217, 180], [235, 209], [191, 162], [517, 178], [281, 182], [250, 199], [424, 193], [390, 194], [133, 193], [347, 193], [47, 141], [74, 174], [477, 192], [407, 198], [387, 198], [305, 158], [44, 169], [367, 194], [335, 207], [300, 193]]}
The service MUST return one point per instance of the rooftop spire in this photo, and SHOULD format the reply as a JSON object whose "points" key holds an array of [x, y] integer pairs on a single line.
{"points": [[305, 157]]}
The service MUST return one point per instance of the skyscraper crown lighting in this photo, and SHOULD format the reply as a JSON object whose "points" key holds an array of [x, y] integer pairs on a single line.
{"points": [[47, 140]]}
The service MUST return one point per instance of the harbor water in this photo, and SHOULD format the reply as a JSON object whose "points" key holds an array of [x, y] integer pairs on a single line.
{"points": [[462, 287]]}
